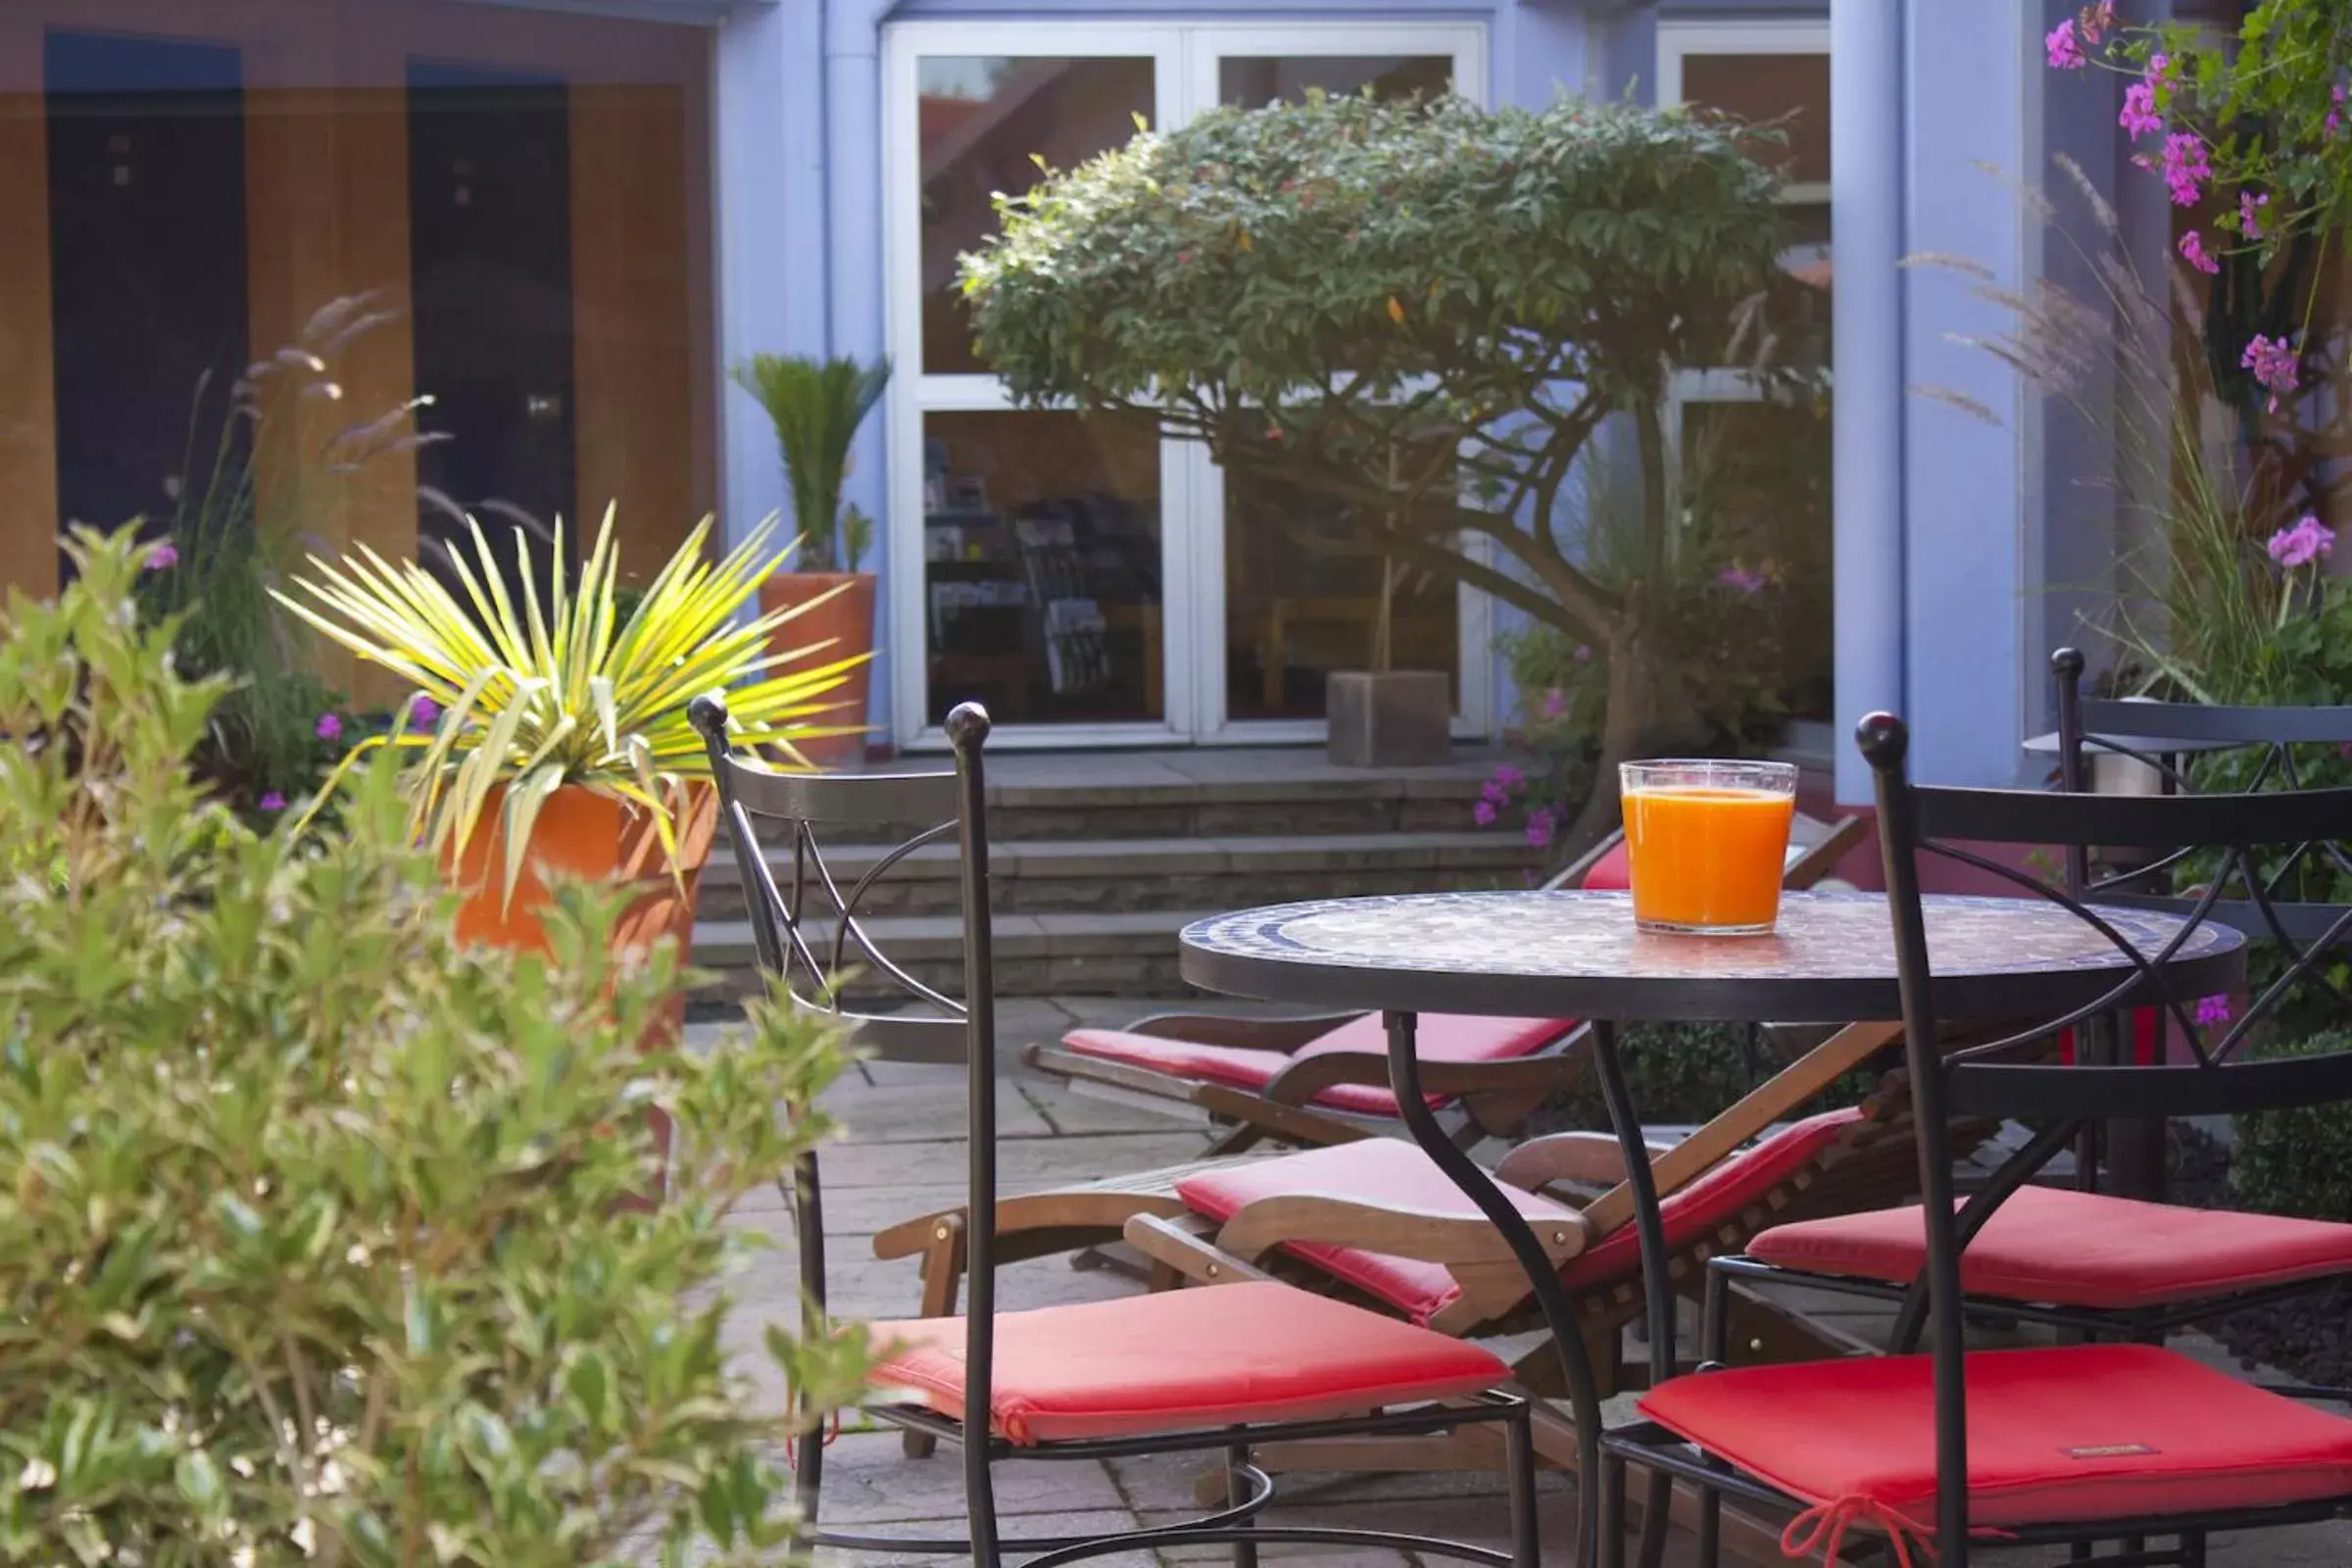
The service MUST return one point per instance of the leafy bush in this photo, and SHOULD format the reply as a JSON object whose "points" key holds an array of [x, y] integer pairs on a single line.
{"points": [[2297, 1161], [1421, 312], [318, 1241], [1688, 1072]]}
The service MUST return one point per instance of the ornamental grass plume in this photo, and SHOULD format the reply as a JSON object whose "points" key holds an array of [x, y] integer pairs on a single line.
{"points": [[316, 1239]]}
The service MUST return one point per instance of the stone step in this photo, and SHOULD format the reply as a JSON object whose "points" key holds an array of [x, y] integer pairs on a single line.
{"points": [[1044, 876], [1108, 953]]}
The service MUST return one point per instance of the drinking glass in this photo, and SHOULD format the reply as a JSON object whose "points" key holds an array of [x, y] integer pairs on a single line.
{"points": [[1706, 843]]}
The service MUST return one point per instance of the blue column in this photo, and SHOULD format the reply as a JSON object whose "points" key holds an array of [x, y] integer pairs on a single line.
{"points": [[1969, 143], [1866, 78], [853, 198]]}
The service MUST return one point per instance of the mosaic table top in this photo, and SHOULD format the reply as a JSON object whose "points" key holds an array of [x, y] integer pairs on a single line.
{"points": [[1580, 954]]}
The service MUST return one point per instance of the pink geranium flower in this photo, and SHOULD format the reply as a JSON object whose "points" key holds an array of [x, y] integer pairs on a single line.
{"points": [[2274, 362], [2186, 168], [2250, 213], [2193, 251], [2309, 540], [163, 557], [271, 802], [2139, 115], [2065, 49], [330, 727]]}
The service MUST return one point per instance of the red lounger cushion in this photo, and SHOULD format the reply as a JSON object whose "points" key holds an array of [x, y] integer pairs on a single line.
{"points": [[2071, 1249], [2077, 1433], [1182, 1360], [1440, 1037], [1392, 1171]]}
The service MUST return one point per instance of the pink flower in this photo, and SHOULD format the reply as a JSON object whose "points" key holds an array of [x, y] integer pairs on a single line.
{"points": [[2186, 168], [2335, 113], [2309, 540], [271, 802], [2193, 251], [1506, 777], [1740, 577], [2139, 115], [424, 710], [330, 727], [163, 557], [1555, 702], [1483, 814], [2273, 360], [2250, 213], [2096, 19], [2213, 1012], [1539, 829], [2066, 50], [1583, 654]]}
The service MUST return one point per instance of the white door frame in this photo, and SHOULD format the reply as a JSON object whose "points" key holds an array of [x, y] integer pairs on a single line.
{"points": [[1191, 493]]}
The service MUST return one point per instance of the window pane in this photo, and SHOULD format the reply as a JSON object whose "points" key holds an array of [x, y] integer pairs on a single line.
{"points": [[504, 211], [1041, 577], [1300, 604], [980, 122], [1765, 469], [1789, 91], [1252, 81]]}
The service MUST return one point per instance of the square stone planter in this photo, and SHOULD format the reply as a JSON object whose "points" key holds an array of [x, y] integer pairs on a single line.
{"points": [[1402, 718]]}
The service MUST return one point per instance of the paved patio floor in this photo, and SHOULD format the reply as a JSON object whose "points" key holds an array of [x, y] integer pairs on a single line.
{"points": [[903, 1154]]}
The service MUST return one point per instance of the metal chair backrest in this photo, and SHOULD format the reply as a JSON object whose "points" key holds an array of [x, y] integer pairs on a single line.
{"points": [[814, 963], [1918, 821], [2090, 727]]}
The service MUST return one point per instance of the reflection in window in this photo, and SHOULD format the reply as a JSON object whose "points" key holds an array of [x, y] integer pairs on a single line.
{"points": [[1252, 81], [981, 125], [1042, 589]]}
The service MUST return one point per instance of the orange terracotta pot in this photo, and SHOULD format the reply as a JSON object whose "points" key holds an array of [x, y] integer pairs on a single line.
{"points": [[845, 623], [583, 834]]}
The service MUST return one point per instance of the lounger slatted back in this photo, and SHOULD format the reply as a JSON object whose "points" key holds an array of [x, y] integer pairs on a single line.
{"points": [[1216, 1372], [1324, 1080], [2083, 1445]]}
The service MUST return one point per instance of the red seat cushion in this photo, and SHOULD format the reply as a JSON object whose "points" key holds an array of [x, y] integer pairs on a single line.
{"points": [[1392, 1171], [1613, 872], [2077, 1433], [1440, 1037], [1182, 1360], [2070, 1248]]}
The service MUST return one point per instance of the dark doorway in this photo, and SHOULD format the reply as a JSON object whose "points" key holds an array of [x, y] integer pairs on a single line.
{"points": [[147, 262], [490, 225]]}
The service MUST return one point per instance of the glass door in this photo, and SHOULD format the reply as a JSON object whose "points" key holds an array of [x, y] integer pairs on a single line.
{"points": [[1285, 604], [1029, 560], [1090, 582]]}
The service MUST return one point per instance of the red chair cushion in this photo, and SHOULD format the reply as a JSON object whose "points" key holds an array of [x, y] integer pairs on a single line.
{"points": [[1392, 1171], [2070, 1248], [2077, 1433], [1613, 872], [1182, 1361], [1440, 1037]]}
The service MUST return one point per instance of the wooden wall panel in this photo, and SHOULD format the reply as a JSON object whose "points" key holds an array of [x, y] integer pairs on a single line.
{"points": [[27, 383], [633, 360]]}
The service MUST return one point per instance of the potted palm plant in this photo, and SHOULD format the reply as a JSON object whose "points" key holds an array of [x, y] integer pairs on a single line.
{"points": [[550, 741], [817, 407]]}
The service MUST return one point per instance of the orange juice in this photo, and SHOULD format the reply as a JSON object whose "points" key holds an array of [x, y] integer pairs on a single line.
{"points": [[1707, 856]]}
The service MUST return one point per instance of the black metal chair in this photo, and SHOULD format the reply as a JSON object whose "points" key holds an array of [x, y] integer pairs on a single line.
{"points": [[1212, 1370], [2084, 1444]]}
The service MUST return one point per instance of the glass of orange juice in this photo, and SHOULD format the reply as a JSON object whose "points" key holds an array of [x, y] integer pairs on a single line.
{"points": [[1705, 844]]}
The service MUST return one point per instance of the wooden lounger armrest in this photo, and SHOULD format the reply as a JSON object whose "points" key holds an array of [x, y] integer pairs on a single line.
{"points": [[1820, 857], [1063, 1062], [1174, 1245], [1587, 1158], [918, 1235], [1249, 1034], [1301, 1081], [1430, 1236]]}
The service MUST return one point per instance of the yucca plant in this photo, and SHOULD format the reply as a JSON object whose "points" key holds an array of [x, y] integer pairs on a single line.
{"points": [[535, 696], [817, 407]]}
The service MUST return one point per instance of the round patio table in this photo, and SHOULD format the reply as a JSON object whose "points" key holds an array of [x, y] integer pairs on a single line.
{"points": [[1575, 954]]}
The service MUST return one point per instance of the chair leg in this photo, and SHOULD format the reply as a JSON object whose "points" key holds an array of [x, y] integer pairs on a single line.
{"points": [[809, 1225], [1244, 1553], [2192, 1548], [1519, 1452], [1612, 1511]]}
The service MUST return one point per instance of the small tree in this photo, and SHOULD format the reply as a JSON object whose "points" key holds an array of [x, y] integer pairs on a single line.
{"points": [[1311, 288]]}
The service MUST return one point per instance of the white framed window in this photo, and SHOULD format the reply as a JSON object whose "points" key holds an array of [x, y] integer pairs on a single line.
{"points": [[1095, 584]]}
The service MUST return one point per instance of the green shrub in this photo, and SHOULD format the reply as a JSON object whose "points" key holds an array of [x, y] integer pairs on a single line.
{"points": [[2297, 1161], [1679, 1073], [317, 1241]]}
